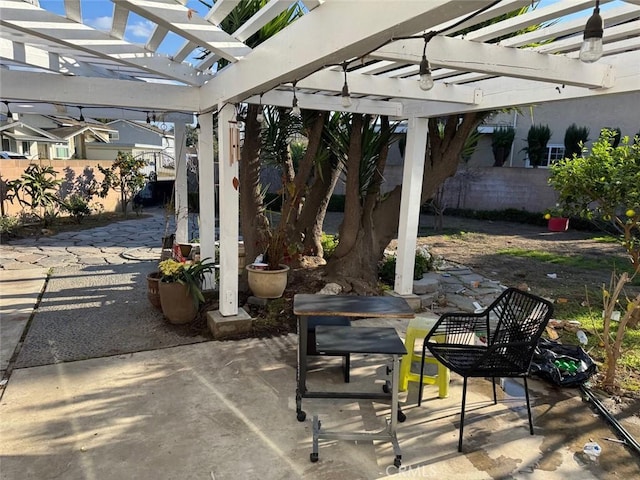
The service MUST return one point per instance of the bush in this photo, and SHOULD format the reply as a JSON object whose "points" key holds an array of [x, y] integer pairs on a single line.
{"points": [[8, 225], [423, 263], [329, 244], [77, 207]]}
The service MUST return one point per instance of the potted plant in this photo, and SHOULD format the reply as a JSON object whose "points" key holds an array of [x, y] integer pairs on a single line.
{"points": [[537, 139], [180, 288], [557, 220], [501, 141], [268, 279]]}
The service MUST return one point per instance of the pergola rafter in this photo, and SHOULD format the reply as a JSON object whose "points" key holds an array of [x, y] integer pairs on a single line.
{"points": [[51, 62]]}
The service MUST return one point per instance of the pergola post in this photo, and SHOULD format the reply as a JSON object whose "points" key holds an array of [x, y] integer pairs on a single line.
{"points": [[414, 158], [180, 186], [229, 211], [207, 199]]}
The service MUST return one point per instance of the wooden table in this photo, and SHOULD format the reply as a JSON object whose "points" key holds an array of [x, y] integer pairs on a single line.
{"points": [[355, 340]]}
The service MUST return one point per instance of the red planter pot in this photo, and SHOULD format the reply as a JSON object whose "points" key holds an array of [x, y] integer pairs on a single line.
{"points": [[558, 224]]}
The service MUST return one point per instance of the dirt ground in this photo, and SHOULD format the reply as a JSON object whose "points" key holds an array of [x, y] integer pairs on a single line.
{"points": [[478, 246]]}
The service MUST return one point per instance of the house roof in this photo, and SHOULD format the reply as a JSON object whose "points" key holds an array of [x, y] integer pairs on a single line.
{"points": [[144, 126], [23, 132], [49, 58]]}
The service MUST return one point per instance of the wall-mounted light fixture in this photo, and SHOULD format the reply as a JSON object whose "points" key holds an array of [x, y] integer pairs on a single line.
{"points": [[426, 80], [345, 95], [295, 109], [591, 50]]}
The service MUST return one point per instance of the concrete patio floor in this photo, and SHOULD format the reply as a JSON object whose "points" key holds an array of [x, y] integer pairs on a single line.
{"points": [[226, 410]]}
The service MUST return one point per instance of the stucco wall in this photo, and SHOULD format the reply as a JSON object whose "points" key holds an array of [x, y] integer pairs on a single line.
{"points": [[67, 170]]}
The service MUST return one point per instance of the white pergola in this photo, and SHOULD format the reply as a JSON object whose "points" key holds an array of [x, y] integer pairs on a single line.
{"points": [[55, 64]]}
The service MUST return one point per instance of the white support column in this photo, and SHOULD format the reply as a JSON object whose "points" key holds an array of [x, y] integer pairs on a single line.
{"points": [[207, 186], [181, 205], [229, 213], [413, 169]]}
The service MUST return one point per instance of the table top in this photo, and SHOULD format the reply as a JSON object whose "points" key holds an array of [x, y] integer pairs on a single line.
{"points": [[340, 340], [351, 306]]}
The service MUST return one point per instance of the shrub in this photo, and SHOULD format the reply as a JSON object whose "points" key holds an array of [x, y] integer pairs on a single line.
{"points": [[8, 225], [77, 206], [423, 263], [329, 244]]}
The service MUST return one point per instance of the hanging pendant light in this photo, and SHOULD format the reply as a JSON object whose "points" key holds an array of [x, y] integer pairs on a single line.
{"points": [[260, 115], [345, 95], [426, 79], [295, 108], [591, 50]]}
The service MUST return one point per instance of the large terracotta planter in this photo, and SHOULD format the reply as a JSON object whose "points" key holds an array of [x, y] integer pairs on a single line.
{"points": [[177, 304], [153, 292], [267, 283], [558, 224]]}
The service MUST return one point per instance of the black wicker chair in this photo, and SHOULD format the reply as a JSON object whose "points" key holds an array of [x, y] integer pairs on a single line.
{"points": [[497, 343]]}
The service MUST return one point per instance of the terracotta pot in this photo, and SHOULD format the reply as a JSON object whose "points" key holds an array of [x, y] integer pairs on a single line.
{"points": [[178, 305], [267, 283], [558, 224], [153, 293]]}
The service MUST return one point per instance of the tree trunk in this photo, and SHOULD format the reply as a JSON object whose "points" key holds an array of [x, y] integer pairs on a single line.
{"points": [[314, 208], [253, 222], [366, 232]]}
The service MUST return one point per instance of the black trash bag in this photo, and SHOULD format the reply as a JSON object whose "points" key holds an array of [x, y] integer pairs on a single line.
{"points": [[562, 365]]}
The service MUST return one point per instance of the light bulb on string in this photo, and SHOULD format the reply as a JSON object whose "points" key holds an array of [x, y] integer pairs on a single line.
{"points": [[591, 49], [345, 95], [260, 115], [295, 108]]}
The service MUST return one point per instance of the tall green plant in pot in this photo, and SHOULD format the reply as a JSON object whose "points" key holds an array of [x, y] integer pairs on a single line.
{"points": [[537, 140], [501, 141], [574, 139]]}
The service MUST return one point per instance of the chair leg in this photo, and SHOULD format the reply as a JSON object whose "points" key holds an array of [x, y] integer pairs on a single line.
{"points": [[495, 398], [464, 398], [424, 352], [346, 365], [526, 394]]}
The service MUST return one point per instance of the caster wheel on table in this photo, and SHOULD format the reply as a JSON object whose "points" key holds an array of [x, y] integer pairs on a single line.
{"points": [[313, 457], [301, 416], [385, 388], [401, 417], [397, 462]]}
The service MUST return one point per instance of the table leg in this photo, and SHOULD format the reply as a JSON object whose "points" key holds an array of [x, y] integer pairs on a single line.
{"points": [[302, 366]]}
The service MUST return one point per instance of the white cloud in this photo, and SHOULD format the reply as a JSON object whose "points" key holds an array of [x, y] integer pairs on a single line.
{"points": [[142, 29], [100, 23]]}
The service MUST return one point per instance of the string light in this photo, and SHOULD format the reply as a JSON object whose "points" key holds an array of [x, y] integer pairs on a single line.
{"points": [[295, 108], [260, 115], [148, 119], [197, 127], [426, 80], [345, 95], [591, 50], [81, 119]]}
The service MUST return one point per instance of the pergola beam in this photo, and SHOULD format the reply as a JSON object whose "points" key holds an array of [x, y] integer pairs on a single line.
{"points": [[307, 44], [495, 60], [23, 86], [40, 23], [501, 93], [388, 87], [189, 25]]}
